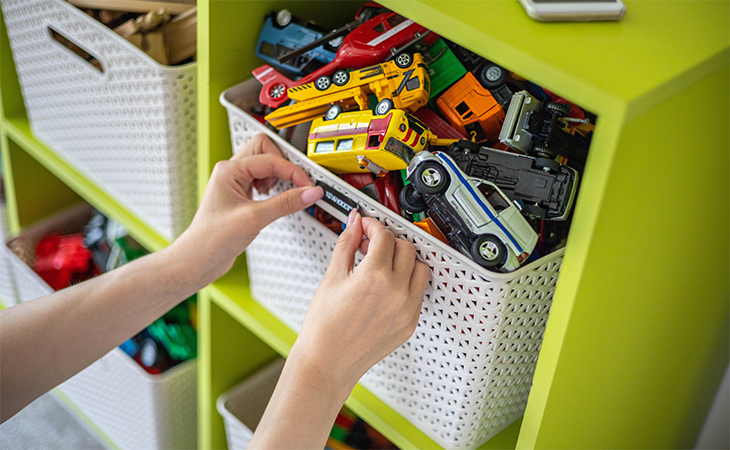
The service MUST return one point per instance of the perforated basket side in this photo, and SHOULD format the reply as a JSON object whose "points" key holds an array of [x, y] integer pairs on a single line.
{"points": [[466, 372], [135, 409], [131, 128], [8, 293]]}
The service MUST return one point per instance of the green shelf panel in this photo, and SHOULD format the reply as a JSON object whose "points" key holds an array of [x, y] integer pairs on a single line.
{"points": [[18, 130]]}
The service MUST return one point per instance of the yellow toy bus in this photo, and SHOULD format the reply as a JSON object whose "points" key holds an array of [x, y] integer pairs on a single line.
{"points": [[361, 141]]}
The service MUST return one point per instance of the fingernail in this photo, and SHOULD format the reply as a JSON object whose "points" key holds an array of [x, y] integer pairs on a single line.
{"points": [[352, 217], [312, 194]]}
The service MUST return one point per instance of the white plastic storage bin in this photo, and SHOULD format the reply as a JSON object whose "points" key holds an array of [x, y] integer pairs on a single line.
{"points": [[243, 406], [130, 128], [135, 409], [466, 372], [8, 294]]}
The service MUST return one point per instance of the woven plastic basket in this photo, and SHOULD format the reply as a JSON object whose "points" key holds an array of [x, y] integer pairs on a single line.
{"points": [[466, 372], [134, 409], [243, 406], [131, 128], [8, 294]]}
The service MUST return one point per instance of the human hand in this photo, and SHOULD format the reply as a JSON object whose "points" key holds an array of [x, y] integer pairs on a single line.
{"points": [[228, 219], [358, 317]]}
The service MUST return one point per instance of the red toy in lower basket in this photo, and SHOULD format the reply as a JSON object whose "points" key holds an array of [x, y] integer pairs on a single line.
{"points": [[62, 260]]}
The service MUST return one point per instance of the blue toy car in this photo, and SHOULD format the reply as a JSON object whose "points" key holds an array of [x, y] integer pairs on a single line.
{"points": [[283, 33]]}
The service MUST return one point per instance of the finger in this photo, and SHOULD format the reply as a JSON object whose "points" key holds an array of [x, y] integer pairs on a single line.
{"points": [[258, 145], [382, 244], [288, 202], [260, 167], [343, 257], [419, 280], [404, 258]]}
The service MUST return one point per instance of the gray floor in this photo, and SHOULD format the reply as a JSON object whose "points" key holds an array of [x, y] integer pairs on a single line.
{"points": [[46, 424]]}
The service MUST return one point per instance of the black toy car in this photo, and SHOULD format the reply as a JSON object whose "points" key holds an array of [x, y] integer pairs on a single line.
{"points": [[545, 188]]}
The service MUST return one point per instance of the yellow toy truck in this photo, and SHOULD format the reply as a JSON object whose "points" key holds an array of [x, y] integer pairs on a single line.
{"points": [[405, 82]]}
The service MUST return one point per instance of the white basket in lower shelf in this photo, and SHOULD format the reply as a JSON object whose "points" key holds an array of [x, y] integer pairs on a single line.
{"points": [[466, 372], [8, 294], [243, 406], [135, 409]]}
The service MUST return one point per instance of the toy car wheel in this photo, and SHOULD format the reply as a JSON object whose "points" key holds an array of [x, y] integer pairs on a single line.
{"points": [[534, 211], [340, 78], [411, 201], [152, 354], [384, 106], [431, 178], [463, 144], [548, 165], [488, 251], [558, 109], [403, 60], [323, 83], [283, 18], [543, 152], [492, 76], [277, 90], [333, 112]]}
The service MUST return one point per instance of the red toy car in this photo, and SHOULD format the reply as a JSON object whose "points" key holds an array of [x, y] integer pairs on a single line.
{"points": [[381, 38], [63, 260]]}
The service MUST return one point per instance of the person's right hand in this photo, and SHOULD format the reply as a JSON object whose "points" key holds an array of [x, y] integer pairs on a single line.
{"points": [[358, 317]]}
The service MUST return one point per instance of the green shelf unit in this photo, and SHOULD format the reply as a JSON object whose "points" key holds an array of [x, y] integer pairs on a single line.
{"points": [[636, 343]]}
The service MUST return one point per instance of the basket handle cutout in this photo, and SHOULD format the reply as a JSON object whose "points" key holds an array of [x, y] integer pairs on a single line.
{"points": [[75, 49]]}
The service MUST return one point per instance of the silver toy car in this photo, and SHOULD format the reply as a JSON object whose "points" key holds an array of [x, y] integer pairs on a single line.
{"points": [[476, 217]]}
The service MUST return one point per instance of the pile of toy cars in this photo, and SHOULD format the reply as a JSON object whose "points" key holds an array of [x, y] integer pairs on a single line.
{"points": [[473, 154], [62, 260]]}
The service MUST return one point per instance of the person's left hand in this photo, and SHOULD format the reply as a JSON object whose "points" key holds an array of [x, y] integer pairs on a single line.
{"points": [[228, 219]]}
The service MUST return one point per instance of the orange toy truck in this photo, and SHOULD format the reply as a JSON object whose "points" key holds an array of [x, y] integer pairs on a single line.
{"points": [[471, 109]]}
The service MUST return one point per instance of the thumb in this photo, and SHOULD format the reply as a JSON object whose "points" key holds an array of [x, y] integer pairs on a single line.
{"points": [[343, 257], [286, 203]]}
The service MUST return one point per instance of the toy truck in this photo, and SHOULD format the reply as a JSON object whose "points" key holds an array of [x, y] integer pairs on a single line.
{"points": [[474, 215], [406, 84], [540, 129], [472, 109], [545, 188]]}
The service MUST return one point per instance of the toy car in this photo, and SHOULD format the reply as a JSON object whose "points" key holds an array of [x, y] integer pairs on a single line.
{"points": [[283, 33], [471, 109], [63, 260], [361, 141], [476, 217], [381, 38], [537, 128], [407, 87], [545, 188]]}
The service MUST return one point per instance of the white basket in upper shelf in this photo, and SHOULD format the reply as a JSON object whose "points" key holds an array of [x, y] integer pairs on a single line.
{"points": [[466, 372], [131, 129], [135, 409], [243, 406]]}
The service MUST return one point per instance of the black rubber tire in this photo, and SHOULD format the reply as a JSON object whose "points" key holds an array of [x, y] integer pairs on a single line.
{"points": [[340, 78], [410, 202], [543, 152], [464, 144], [558, 109], [323, 83], [492, 76], [404, 60], [534, 211], [497, 246], [333, 112], [548, 165], [383, 107], [431, 188]]}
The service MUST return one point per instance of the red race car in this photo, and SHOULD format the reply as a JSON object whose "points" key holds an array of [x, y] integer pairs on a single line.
{"points": [[385, 36]]}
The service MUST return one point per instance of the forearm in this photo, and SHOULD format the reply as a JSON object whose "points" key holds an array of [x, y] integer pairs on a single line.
{"points": [[46, 341], [302, 409]]}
